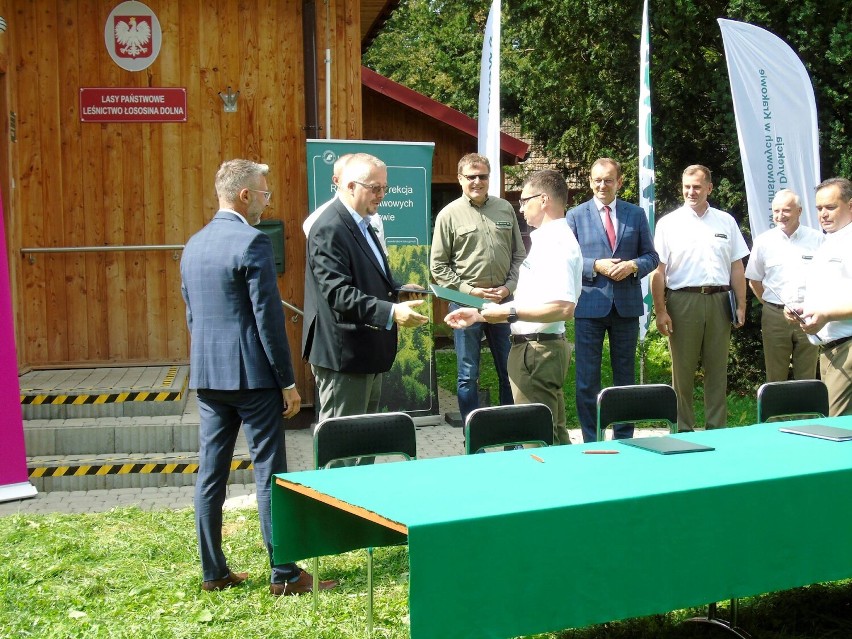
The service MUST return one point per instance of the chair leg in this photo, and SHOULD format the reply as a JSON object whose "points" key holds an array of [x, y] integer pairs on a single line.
{"points": [[315, 585], [729, 626], [370, 590]]}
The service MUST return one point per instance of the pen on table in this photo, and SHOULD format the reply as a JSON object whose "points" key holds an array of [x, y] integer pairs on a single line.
{"points": [[537, 458], [600, 452]]}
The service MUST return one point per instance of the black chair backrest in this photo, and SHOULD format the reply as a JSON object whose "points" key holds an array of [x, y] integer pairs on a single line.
{"points": [[798, 397], [638, 403], [364, 436], [508, 425]]}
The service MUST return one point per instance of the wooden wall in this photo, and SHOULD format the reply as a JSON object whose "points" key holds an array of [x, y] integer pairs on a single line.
{"points": [[83, 184], [385, 119]]}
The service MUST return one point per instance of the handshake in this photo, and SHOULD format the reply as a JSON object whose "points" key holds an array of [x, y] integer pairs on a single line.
{"points": [[412, 295]]}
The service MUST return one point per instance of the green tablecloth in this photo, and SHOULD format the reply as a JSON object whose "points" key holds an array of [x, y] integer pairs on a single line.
{"points": [[502, 545]]}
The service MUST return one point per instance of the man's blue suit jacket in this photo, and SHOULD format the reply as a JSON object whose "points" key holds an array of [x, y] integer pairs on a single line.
{"points": [[233, 308], [633, 242]]}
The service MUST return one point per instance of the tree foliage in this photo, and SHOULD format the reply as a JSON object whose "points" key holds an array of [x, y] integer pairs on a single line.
{"points": [[570, 77], [407, 385]]}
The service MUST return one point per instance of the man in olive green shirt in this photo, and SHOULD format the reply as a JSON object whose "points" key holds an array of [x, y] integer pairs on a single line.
{"points": [[477, 249]]}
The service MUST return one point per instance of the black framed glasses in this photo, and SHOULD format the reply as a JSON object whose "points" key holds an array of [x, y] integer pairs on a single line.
{"points": [[267, 195], [482, 177], [524, 200], [376, 189]]}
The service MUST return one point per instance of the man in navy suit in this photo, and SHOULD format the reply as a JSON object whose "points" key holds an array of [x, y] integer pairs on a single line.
{"points": [[618, 251], [240, 365], [351, 298]]}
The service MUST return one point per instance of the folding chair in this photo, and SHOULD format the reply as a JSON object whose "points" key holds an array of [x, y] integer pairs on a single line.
{"points": [[775, 400], [508, 426], [342, 438], [798, 397], [637, 403]]}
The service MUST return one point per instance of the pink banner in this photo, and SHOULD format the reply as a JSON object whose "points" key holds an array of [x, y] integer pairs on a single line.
{"points": [[14, 480]]}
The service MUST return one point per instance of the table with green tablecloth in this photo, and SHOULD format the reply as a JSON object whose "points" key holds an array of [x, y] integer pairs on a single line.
{"points": [[503, 544]]}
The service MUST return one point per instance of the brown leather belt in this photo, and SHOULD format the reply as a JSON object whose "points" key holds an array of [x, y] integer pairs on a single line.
{"points": [[780, 307], [535, 337], [835, 343], [704, 290]]}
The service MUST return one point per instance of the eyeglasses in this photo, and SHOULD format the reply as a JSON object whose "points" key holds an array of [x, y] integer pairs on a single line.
{"points": [[267, 195], [376, 189], [482, 177], [606, 181], [524, 200]]}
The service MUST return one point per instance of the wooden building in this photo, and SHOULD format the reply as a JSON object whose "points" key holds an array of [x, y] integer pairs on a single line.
{"points": [[69, 184]]}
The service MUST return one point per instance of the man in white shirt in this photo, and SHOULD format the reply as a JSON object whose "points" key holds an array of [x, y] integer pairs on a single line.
{"points": [[701, 250], [549, 284], [777, 270], [827, 309]]}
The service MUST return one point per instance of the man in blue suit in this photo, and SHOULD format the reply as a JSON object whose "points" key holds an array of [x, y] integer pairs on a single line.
{"points": [[240, 365], [618, 251]]}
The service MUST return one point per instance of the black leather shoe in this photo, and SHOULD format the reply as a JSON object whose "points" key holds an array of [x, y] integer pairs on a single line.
{"points": [[233, 579]]}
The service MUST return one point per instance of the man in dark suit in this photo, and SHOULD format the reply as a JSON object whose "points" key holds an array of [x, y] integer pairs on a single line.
{"points": [[351, 298], [240, 365], [618, 251]]}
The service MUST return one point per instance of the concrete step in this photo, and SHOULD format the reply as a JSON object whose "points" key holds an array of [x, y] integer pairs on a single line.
{"points": [[97, 472], [110, 436], [104, 392]]}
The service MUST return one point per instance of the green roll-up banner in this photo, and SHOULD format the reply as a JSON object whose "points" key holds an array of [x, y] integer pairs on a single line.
{"points": [[411, 384]]}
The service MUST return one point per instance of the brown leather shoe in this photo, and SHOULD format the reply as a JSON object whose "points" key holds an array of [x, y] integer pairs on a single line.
{"points": [[302, 585], [233, 579]]}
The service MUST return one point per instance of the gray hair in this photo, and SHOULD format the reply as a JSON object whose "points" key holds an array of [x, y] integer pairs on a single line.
{"points": [[235, 175], [844, 184], [797, 201], [341, 162], [359, 166]]}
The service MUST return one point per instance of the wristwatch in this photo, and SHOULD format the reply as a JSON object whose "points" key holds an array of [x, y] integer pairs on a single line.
{"points": [[513, 315]]}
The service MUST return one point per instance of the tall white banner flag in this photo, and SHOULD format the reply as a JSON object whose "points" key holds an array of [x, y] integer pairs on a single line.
{"points": [[489, 98], [776, 121], [646, 155]]}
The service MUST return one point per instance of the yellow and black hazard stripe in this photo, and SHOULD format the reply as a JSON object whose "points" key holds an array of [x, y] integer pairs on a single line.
{"points": [[112, 398], [85, 470]]}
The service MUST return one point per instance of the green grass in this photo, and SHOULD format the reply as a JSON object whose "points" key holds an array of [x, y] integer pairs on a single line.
{"points": [[742, 410], [129, 573]]}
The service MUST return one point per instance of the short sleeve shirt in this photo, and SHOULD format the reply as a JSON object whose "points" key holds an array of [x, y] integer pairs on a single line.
{"points": [[552, 272], [782, 263], [698, 251], [830, 276]]}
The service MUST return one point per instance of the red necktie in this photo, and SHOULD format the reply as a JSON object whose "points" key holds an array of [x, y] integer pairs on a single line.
{"points": [[610, 229]]}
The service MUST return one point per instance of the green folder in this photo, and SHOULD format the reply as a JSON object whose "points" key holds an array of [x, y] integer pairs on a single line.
{"points": [[666, 445], [462, 299]]}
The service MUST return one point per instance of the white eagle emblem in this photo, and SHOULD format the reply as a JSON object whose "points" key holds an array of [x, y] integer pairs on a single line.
{"points": [[133, 37]]}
